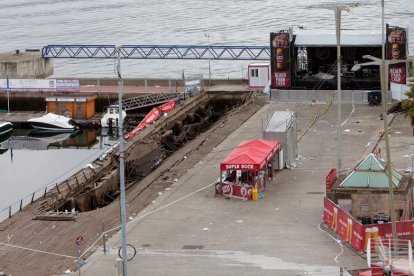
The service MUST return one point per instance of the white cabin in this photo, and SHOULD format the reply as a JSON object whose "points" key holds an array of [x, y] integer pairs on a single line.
{"points": [[111, 116], [259, 75]]}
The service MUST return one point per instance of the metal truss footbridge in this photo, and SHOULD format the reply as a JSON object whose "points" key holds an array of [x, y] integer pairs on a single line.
{"points": [[188, 52]]}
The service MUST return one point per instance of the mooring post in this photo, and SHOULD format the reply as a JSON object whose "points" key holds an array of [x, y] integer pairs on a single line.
{"points": [[10, 211], [21, 204], [45, 192], [57, 187], [33, 197]]}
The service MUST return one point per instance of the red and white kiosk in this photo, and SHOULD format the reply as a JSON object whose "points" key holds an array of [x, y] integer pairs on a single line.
{"points": [[247, 170]]}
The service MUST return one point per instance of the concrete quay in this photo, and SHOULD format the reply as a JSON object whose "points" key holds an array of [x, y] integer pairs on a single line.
{"points": [[188, 231]]}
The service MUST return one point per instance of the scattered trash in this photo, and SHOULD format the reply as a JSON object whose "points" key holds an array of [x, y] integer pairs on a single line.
{"points": [[205, 229], [153, 202], [131, 218], [347, 130], [175, 180], [160, 193], [240, 220], [298, 201], [312, 158], [185, 157], [276, 209], [167, 189], [398, 132], [68, 271]]}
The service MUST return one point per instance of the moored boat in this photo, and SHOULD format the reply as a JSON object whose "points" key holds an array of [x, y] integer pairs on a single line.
{"points": [[5, 127], [111, 117], [53, 122]]}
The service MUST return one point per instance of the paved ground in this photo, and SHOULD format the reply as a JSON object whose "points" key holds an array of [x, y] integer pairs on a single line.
{"points": [[277, 235]]}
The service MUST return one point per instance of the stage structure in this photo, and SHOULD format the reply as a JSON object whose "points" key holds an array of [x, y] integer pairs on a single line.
{"points": [[306, 59]]}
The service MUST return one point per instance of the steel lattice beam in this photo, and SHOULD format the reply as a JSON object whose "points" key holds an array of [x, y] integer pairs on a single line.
{"points": [[148, 100], [190, 52]]}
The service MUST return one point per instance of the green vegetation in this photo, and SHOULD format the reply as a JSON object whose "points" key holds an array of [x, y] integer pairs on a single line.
{"points": [[408, 106]]}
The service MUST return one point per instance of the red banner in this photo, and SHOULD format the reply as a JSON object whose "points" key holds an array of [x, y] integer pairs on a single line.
{"points": [[167, 107], [358, 235], [234, 190], [152, 116], [330, 179], [395, 46], [347, 227], [135, 130], [351, 230], [397, 73]]}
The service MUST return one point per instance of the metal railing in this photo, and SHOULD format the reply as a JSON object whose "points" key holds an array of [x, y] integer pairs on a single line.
{"points": [[318, 96]]}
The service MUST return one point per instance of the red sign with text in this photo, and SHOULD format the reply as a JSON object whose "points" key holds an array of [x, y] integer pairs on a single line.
{"points": [[397, 74], [351, 230], [234, 190]]}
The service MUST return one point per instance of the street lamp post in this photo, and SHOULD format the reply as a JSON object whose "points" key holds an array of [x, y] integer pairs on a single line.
{"points": [[384, 96], [338, 11], [209, 57], [121, 164], [384, 68]]}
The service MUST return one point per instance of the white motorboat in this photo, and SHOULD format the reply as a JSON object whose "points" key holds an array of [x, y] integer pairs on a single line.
{"points": [[5, 127], [111, 117], [53, 122]]}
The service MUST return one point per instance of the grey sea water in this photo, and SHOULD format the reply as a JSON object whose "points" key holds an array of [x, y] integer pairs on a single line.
{"points": [[28, 24], [32, 24]]}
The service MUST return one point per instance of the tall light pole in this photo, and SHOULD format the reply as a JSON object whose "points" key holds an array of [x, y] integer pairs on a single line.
{"points": [[384, 69], [384, 96], [118, 49], [209, 57], [338, 11]]}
